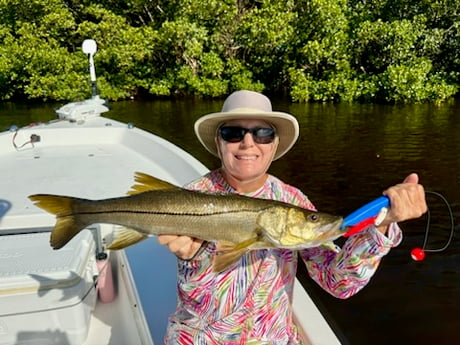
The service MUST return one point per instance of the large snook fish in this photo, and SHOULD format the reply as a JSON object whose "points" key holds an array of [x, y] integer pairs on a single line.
{"points": [[154, 207]]}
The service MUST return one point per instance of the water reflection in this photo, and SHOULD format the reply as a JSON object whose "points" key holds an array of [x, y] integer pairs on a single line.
{"points": [[347, 155]]}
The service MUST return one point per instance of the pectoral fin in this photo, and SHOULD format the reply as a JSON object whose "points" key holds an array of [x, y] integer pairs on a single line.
{"points": [[125, 237], [228, 253]]}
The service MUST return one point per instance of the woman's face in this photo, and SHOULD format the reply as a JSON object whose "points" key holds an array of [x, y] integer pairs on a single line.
{"points": [[245, 163]]}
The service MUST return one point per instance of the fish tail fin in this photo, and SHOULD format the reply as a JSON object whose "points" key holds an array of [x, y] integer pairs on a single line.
{"points": [[67, 224], [228, 253]]}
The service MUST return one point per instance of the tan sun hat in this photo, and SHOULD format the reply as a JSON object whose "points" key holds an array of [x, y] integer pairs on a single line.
{"points": [[248, 105]]}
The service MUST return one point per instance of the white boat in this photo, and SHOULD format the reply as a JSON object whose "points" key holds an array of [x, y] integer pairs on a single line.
{"points": [[51, 296]]}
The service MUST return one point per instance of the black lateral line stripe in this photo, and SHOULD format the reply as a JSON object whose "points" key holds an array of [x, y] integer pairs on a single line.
{"points": [[165, 213]]}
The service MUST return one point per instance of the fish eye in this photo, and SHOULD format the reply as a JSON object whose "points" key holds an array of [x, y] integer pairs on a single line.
{"points": [[313, 217]]}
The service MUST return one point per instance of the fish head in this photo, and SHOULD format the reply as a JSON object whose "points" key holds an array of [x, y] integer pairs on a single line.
{"points": [[296, 228]]}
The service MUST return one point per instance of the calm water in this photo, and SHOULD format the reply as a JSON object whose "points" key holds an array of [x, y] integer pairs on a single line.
{"points": [[346, 156]]}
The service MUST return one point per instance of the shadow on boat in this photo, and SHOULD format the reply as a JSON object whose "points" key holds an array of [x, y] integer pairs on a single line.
{"points": [[4, 207], [48, 337], [65, 287]]}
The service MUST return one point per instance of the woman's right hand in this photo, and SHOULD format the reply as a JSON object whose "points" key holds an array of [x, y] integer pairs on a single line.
{"points": [[184, 247]]}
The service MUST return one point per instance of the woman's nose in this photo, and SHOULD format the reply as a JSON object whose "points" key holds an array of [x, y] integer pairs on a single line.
{"points": [[248, 140]]}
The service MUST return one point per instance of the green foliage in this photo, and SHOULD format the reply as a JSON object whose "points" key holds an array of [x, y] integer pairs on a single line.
{"points": [[381, 44], [317, 50], [321, 63], [35, 62], [124, 52], [263, 38], [414, 83]]}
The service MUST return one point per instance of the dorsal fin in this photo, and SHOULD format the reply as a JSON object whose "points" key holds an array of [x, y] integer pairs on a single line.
{"points": [[145, 183]]}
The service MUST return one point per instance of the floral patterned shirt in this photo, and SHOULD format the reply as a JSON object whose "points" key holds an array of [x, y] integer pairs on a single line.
{"points": [[250, 302]]}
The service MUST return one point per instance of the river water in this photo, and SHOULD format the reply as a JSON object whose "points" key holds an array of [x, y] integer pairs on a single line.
{"points": [[347, 155]]}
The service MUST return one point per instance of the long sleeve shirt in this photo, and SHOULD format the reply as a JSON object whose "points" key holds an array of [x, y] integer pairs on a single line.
{"points": [[250, 302]]}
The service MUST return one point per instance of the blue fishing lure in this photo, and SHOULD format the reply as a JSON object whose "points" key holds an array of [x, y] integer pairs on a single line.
{"points": [[364, 216]]}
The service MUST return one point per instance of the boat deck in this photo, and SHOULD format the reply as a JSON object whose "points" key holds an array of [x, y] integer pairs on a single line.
{"points": [[97, 159], [66, 158]]}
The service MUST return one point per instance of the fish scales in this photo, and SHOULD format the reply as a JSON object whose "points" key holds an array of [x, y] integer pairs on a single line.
{"points": [[194, 214], [236, 223], [182, 201]]}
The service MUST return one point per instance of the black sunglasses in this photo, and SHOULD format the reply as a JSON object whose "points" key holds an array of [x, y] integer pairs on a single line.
{"points": [[235, 134]]}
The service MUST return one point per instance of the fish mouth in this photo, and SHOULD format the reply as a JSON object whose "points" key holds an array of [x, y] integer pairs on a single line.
{"points": [[330, 232], [334, 230]]}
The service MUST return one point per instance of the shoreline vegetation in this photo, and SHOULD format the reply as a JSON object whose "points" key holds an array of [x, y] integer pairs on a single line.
{"points": [[384, 51]]}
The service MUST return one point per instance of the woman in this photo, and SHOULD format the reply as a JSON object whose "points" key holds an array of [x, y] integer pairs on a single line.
{"points": [[250, 302]]}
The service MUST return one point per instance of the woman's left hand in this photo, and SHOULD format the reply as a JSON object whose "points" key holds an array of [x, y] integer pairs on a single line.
{"points": [[407, 201]]}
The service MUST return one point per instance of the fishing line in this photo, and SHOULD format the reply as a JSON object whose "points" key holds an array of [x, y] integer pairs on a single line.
{"points": [[418, 254]]}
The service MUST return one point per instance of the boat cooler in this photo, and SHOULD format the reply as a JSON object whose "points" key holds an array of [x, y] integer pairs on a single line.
{"points": [[46, 295]]}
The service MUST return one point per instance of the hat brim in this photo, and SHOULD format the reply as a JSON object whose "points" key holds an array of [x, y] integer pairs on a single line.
{"points": [[287, 127]]}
